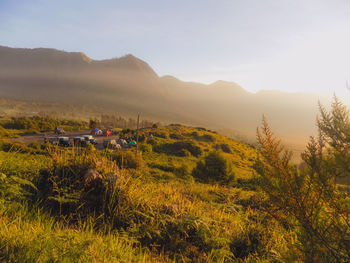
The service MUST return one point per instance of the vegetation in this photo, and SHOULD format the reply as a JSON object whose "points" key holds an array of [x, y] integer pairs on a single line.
{"points": [[309, 199], [15, 126], [214, 168], [191, 195]]}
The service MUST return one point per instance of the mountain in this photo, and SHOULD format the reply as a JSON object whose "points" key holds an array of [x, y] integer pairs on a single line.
{"points": [[129, 85]]}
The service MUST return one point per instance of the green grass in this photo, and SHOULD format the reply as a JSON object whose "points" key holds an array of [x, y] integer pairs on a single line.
{"points": [[27, 237], [152, 210]]}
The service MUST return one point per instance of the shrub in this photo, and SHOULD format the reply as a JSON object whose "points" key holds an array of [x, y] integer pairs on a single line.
{"points": [[224, 147], [175, 136], [142, 137], [146, 148], [35, 145], [183, 172], [308, 199], [205, 137], [160, 134], [3, 131], [248, 243], [163, 167], [214, 168], [127, 159], [195, 134], [65, 185], [181, 148]]}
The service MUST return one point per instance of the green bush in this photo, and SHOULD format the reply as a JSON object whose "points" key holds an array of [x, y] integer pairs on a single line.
{"points": [[160, 134], [205, 137], [214, 168], [181, 148], [175, 136], [224, 147], [127, 159], [183, 172], [35, 145], [145, 148], [249, 243]]}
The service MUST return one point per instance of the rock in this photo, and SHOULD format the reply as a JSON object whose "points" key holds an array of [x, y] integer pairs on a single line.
{"points": [[92, 177]]}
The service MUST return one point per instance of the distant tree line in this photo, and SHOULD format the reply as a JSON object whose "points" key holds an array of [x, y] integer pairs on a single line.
{"points": [[114, 121], [38, 123]]}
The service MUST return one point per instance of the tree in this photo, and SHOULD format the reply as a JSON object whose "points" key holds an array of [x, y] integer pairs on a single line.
{"points": [[308, 199], [93, 124]]}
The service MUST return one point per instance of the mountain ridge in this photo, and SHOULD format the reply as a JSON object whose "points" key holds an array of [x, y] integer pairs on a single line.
{"points": [[128, 84]]}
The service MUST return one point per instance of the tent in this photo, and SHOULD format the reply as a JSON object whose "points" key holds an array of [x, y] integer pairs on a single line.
{"points": [[96, 132], [107, 133], [123, 143], [132, 143], [59, 130]]}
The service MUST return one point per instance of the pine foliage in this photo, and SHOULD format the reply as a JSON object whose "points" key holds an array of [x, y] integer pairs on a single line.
{"points": [[308, 198]]}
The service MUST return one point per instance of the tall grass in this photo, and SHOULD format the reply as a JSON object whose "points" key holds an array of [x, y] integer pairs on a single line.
{"points": [[128, 214], [29, 237]]}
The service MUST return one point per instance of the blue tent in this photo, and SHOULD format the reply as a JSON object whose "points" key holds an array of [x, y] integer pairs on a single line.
{"points": [[96, 132]]}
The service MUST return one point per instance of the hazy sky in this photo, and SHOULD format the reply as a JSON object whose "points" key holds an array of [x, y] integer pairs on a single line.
{"points": [[290, 45]]}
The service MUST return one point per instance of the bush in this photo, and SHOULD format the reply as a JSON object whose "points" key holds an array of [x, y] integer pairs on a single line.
{"points": [[35, 145], [308, 199], [127, 159], [248, 243], [214, 168], [175, 136], [146, 148], [205, 137], [160, 134], [181, 148], [183, 172], [224, 147]]}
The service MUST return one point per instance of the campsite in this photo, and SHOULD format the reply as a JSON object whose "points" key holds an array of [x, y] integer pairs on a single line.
{"points": [[100, 137]]}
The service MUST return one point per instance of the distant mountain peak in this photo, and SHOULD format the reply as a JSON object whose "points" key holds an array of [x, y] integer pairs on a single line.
{"points": [[85, 57], [228, 86], [129, 61], [223, 83]]}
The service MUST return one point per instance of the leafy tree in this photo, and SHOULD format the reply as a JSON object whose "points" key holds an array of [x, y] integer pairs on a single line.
{"points": [[93, 124], [308, 199]]}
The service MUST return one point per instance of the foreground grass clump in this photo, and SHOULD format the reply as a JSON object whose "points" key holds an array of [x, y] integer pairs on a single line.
{"points": [[27, 237]]}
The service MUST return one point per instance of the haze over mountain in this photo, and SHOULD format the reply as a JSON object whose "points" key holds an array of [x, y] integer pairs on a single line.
{"points": [[129, 85]]}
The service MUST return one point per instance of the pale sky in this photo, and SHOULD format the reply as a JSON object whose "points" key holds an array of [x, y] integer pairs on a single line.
{"points": [[289, 45]]}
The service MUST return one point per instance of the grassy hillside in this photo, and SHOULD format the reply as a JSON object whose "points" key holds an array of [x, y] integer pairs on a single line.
{"points": [[149, 208]]}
